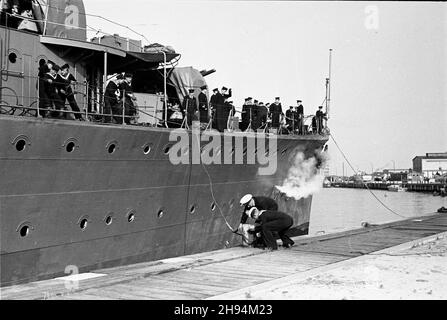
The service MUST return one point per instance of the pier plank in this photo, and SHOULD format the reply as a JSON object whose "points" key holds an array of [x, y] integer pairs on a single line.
{"points": [[208, 274]]}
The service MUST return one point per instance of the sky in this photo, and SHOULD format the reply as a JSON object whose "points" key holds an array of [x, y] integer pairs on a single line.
{"points": [[389, 64]]}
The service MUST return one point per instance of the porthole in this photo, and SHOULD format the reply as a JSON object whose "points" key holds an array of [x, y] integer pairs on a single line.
{"points": [[70, 147], [131, 217], [166, 149], [24, 231], [108, 220], [147, 148], [192, 209], [213, 206], [160, 213], [111, 149], [20, 145], [83, 224], [12, 57]]}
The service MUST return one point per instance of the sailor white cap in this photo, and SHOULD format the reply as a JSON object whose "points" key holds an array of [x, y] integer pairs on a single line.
{"points": [[245, 199]]}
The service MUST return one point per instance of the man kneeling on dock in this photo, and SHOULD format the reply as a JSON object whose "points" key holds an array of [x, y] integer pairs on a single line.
{"points": [[261, 203], [267, 222]]}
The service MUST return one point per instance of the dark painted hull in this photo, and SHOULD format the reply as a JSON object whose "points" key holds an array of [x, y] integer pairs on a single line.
{"points": [[51, 191]]}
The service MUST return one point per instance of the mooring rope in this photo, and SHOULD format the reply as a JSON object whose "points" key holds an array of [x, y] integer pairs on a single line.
{"points": [[366, 185]]}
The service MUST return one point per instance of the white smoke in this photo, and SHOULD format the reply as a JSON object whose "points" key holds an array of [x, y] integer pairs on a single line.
{"points": [[303, 178]]}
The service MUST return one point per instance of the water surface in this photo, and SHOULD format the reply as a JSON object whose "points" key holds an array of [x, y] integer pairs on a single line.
{"points": [[337, 209]]}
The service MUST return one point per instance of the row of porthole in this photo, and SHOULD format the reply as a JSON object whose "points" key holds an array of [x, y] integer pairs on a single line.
{"points": [[83, 223], [25, 229], [71, 146]]}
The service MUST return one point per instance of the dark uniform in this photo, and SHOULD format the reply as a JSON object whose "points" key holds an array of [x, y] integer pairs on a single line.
{"points": [[319, 119], [261, 203], [222, 110], [111, 104], [254, 116], [275, 112], [129, 108], [274, 221], [51, 92], [212, 105], [314, 124], [290, 119], [44, 101], [66, 93], [203, 107], [245, 118], [262, 115], [214, 101], [299, 118], [190, 108], [228, 107], [219, 107]]}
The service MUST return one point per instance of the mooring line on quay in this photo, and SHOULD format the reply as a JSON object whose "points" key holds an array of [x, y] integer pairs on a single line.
{"points": [[366, 185]]}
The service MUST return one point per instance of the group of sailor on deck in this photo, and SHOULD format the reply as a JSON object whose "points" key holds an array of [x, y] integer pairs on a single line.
{"points": [[219, 113], [119, 106], [55, 89]]}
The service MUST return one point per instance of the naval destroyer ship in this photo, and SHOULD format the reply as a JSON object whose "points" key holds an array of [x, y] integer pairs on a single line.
{"points": [[95, 195]]}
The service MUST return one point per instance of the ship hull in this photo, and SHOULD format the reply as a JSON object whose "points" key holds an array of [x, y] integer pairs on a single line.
{"points": [[64, 212]]}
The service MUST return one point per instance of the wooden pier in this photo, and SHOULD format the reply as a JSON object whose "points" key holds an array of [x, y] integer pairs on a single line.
{"points": [[211, 274]]}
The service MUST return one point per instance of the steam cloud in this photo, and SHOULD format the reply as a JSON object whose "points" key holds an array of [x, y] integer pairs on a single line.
{"points": [[303, 178]]}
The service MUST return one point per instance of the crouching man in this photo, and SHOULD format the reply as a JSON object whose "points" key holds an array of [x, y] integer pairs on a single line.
{"points": [[261, 203], [267, 222]]}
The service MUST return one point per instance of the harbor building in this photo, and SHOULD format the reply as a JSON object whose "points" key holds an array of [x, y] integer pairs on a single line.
{"points": [[431, 164]]}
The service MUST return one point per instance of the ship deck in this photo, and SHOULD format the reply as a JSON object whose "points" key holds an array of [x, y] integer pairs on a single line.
{"points": [[217, 274]]}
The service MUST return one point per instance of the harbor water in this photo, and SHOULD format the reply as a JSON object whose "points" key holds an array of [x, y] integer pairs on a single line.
{"points": [[340, 209]]}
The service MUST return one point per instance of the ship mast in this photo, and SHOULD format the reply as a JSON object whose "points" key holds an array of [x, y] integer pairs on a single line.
{"points": [[328, 85]]}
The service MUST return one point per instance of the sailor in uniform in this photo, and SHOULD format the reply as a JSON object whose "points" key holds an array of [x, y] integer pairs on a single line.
{"points": [[111, 95], [44, 102], [299, 117], [290, 119], [320, 115], [262, 114], [190, 107], [275, 113], [246, 109], [221, 114], [269, 221], [203, 105], [213, 105], [128, 96], [260, 202], [254, 115], [65, 80], [51, 91]]}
